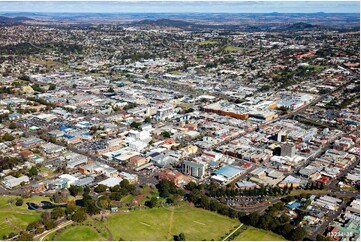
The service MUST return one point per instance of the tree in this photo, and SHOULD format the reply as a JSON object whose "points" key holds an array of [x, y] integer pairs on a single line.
{"points": [[288, 199], [19, 202], [79, 215], [284, 218], [321, 237], [37, 88], [73, 190], [165, 134], [125, 184], [46, 216], [116, 188], [12, 125], [284, 229], [264, 222], [52, 86], [135, 125], [33, 226], [253, 219], [147, 120], [297, 234], [100, 188], [8, 137], [116, 196], [60, 197], [90, 205], [180, 237], [190, 186], [33, 171], [70, 208], [152, 203], [57, 213], [24, 236], [49, 224], [86, 189]]}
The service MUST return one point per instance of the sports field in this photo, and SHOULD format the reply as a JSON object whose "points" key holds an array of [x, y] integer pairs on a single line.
{"points": [[162, 224], [14, 218], [253, 234], [152, 224], [89, 231]]}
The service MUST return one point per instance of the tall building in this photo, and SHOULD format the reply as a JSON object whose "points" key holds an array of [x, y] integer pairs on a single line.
{"points": [[282, 136], [195, 169], [164, 113], [288, 150]]}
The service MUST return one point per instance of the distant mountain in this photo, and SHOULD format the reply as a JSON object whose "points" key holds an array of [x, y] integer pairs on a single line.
{"points": [[294, 27], [13, 20], [300, 26]]}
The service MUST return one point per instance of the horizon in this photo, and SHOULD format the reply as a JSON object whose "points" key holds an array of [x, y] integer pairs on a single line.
{"points": [[159, 7]]}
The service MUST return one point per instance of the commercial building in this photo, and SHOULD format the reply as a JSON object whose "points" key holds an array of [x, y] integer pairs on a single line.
{"points": [[195, 169]]}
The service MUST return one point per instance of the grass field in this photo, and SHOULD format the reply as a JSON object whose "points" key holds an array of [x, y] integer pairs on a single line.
{"points": [[14, 218], [254, 234], [162, 224], [80, 232], [232, 48], [209, 42]]}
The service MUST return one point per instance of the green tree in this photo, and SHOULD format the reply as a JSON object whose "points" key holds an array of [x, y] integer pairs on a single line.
{"points": [[33, 226], [100, 188], [253, 219], [52, 86], [12, 125], [180, 237], [135, 125], [70, 208], [33, 171], [8, 137], [19, 202], [297, 234], [24, 236], [165, 134], [57, 213], [152, 203], [321, 237], [49, 224], [116, 196], [73, 190], [79, 215]]}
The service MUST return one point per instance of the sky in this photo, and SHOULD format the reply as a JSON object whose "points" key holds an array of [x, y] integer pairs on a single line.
{"points": [[172, 6]]}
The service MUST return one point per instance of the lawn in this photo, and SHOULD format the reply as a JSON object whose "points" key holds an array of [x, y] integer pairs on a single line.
{"points": [[162, 224], [232, 48], [14, 218], [77, 233], [89, 230], [255, 234], [209, 42]]}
